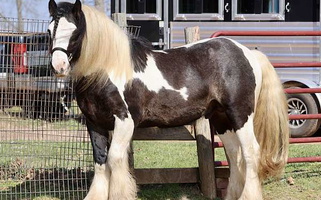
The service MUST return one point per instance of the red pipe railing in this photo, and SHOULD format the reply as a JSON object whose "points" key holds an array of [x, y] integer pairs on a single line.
{"points": [[297, 65], [302, 90], [289, 90], [292, 141], [266, 33]]}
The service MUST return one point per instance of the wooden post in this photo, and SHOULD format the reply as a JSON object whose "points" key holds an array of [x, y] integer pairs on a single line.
{"points": [[205, 158], [192, 34], [120, 19], [203, 139]]}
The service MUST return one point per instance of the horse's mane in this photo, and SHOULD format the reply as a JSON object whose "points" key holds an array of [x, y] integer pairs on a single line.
{"points": [[105, 51], [140, 48]]}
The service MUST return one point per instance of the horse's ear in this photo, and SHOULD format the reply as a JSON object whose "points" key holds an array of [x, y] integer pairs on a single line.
{"points": [[52, 6], [76, 10]]}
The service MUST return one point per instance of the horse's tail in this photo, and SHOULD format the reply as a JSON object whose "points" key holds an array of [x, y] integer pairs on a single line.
{"points": [[271, 121]]}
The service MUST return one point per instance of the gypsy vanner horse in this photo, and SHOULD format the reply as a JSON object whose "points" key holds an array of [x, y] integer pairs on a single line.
{"points": [[121, 83]]}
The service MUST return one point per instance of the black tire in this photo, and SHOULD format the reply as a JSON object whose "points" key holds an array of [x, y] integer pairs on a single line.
{"points": [[302, 104]]}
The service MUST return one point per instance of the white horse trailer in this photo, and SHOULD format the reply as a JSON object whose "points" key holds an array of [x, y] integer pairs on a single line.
{"points": [[163, 22]]}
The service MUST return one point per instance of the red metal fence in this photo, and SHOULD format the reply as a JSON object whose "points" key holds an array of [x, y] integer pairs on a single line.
{"points": [[289, 91]]}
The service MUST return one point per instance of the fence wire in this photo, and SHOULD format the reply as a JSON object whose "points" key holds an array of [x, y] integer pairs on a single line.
{"points": [[44, 147]]}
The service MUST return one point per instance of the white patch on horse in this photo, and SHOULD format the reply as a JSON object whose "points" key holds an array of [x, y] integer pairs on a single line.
{"points": [[155, 81], [233, 150], [160, 51], [251, 155], [99, 187], [243, 152], [63, 35], [122, 184], [120, 83]]}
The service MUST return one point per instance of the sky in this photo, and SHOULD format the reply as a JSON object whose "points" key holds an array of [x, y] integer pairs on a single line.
{"points": [[32, 9]]}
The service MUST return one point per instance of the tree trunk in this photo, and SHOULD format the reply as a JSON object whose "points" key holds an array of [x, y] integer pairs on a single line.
{"points": [[19, 15], [100, 5]]}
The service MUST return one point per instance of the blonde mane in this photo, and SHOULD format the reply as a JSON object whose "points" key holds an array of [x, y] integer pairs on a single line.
{"points": [[105, 51]]}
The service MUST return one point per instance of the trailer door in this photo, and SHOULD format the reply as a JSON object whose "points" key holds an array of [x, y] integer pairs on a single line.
{"points": [[302, 11]]}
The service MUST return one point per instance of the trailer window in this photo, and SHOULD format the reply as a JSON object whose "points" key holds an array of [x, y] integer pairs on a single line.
{"points": [[198, 6], [198, 9], [258, 9], [142, 9]]}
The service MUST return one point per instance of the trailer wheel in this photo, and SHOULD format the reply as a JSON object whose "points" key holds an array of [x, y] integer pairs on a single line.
{"points": [[302, 104]]}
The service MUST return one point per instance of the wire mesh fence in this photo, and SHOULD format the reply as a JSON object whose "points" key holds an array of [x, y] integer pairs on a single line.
{"points": [[44, 147]]}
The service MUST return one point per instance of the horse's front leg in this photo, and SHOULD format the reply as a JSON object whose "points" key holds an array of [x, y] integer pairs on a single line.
{"points": [[100, 184], [122, 184]]}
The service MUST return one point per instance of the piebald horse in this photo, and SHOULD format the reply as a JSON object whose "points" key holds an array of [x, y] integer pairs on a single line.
{"points": [[121, 83]]}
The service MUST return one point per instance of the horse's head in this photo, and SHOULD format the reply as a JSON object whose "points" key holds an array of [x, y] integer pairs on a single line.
{"points": [[66, 32]]}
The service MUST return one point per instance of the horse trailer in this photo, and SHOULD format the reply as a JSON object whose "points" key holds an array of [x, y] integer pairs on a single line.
{"points": [[163, 22]]}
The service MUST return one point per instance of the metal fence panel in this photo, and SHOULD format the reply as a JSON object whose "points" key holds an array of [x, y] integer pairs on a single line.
{"points": [[44, 147]]}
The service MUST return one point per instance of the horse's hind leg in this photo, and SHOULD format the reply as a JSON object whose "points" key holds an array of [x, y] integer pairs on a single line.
{"points": [[122, 184], [242, 151], [251, 155], [232, 149], [235, 128], [100, 184]]}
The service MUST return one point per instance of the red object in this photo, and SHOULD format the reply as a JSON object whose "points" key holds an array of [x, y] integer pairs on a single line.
{"points": [[307, 116], [297, 65], [19, 58], [305, 140], [302, 90], [266, 33], [305, 159], [290, 160]]}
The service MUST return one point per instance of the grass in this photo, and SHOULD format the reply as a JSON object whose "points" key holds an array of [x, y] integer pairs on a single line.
{"points": [[306, 176], [43, 153], [24, 177], [168, 155]]}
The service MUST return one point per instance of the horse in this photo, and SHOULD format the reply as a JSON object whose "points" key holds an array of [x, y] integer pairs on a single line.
{"points": [[121, 83]]}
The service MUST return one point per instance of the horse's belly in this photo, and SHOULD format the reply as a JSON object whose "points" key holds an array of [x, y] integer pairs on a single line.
{"points": [[168, 116]]}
